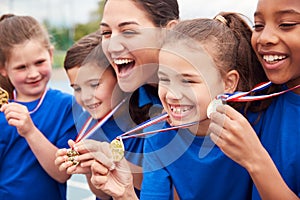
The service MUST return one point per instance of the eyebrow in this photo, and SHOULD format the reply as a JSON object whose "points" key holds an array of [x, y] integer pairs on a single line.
{"points": [[121, 24], [281, 12]]}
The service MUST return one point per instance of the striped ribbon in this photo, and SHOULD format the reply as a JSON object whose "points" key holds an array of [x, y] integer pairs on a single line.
{"points": [[150, 122], [84, 133], [244, 97]]}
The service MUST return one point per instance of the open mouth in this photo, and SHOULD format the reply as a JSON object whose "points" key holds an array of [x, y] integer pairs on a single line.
{"points": [[179, 110], [272, 59], [124, 66], [93, 106]]}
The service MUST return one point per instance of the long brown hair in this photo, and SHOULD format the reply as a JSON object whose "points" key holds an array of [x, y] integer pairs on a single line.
{"points": [[160, 12], [227, 38]]}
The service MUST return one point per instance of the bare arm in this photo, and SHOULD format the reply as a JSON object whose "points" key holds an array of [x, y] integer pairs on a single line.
{"points": [[17, 115], [236, 138]]}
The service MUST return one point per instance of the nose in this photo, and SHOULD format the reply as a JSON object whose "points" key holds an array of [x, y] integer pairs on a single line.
{"points": [[268, 36], [86, 95], [114, 45], [32, 72], [174, 94]]}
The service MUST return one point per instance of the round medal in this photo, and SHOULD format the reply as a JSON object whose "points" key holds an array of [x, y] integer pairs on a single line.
{"points": [[71, 156], [212, 107], [117, 149], [3, 97]]}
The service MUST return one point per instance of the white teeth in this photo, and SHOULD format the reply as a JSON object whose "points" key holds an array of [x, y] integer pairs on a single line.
{"points": [[122, 61], [179, 110], [273, 58]]}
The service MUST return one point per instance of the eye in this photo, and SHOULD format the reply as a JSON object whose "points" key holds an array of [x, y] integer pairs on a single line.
{"points": [[288, 25], [163, 79], [40, 62], [21, 67], [187, 81], [76, 89], [258, 27], [95, 85], [128, 33], [106, 34]]}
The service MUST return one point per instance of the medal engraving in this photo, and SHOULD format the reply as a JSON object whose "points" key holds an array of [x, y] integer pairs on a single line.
{"points": [[117, 149], [3, 97], [212, 107], [71, 156]]}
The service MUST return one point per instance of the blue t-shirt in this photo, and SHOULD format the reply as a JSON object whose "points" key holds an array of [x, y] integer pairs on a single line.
{"points": [[279, 133], [21, 175], [195, 166], [121, 123]]}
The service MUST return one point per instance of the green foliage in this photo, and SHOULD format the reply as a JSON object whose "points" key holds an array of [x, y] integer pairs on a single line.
{"points": [[64, 37], [58, 59]]}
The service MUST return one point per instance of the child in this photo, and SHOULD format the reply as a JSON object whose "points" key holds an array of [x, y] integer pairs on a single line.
{"points": [[96, 90], [273, 162], [209, 57], [37, 121]]}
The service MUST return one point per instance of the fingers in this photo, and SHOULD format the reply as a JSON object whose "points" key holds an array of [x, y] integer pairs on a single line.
{"points": [[99, 151], [99, 174], [229, 112]]}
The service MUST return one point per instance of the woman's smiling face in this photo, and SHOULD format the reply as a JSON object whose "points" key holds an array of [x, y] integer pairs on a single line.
{"points": [[131, 41]]}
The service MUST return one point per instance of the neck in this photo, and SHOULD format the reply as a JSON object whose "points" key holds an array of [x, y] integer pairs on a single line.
{"points": [[294, 83], [201, 128]]}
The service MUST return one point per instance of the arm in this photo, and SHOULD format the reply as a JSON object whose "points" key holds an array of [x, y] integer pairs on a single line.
{"points": [[236, 138], [17, 115]]}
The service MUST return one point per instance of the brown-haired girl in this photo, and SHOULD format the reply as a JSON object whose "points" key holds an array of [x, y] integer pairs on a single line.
{"points": [[37, 121]]}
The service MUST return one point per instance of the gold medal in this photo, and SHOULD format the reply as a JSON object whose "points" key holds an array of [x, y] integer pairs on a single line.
{"points": [[212, 107], [117, 149], [3, 97], [71, 156]]}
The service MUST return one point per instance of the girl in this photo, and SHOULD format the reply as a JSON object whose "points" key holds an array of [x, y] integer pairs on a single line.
{"points": [[273, 162], [37, 121], [209, 57]]}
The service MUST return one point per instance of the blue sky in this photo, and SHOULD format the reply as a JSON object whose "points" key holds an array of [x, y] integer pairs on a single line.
{"points": [[77, 11]]}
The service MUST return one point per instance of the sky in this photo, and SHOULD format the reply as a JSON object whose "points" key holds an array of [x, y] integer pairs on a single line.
{"points": [[69, 12]]}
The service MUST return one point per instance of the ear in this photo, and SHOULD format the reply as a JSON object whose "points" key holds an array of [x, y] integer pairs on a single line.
{"points": [[171, 24], [3, 71], [51, 52], [231, 81]]}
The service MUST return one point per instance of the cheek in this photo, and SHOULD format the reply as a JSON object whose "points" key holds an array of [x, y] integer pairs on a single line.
{"points": [[162, 90], [78, 99], [45, 70]]}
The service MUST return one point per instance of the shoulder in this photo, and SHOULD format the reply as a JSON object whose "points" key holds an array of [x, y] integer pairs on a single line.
{"points": [[59, 96]]}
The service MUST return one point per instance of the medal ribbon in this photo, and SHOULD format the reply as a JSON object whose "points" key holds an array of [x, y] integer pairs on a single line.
{"points": [[157, 131], [150, 122], [84, 133], [39, 103], [244, 97]]}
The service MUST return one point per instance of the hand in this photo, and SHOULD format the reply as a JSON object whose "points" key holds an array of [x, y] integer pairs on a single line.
{"points": [[63, 163], [17, 115], [232, 132], [113, 178]]}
